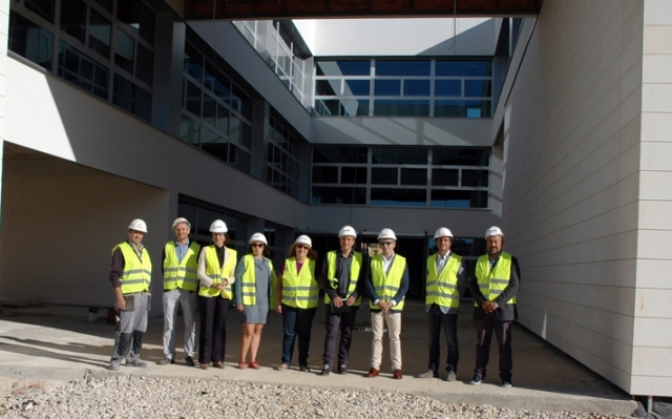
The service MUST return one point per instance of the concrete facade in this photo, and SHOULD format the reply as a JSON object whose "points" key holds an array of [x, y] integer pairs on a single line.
{"points": [[584, 192]]}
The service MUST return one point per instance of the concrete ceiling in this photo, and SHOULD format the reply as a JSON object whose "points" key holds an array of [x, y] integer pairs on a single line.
{"points": [[287, 9]]}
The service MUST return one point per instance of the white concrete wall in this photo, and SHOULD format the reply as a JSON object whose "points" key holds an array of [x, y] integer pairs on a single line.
{"points": [[572, 184], [400, 37], [61, 221], [652, 341]]}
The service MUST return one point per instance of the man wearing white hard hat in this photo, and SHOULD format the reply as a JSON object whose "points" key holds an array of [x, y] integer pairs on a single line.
{"points": [[180, 262], [131, 276], [494, 288], [387, 282], [446, 281], [297, 293], [342, 286]]}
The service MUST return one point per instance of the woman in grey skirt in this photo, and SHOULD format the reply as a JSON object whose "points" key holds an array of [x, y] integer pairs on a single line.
{"points": [[255, 280]]}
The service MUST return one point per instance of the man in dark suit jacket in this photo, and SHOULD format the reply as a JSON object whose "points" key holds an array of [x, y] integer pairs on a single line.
{"points": [[494, 288]]}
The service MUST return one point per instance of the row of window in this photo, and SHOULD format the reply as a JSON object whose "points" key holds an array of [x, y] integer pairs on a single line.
{"points": [[283, 167]]}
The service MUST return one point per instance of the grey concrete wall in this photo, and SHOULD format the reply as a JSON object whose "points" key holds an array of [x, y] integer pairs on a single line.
{"points": [[572, 182], [61, 221]]}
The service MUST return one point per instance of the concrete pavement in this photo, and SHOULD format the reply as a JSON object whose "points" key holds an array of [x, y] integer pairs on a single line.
{"points": [[54, 344]]}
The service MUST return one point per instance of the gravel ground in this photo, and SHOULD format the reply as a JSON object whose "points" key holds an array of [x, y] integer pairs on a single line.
{"points": [[126, 397]]}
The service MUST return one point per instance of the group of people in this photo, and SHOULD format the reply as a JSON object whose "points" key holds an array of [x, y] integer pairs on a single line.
{"points": [[214, 278]]}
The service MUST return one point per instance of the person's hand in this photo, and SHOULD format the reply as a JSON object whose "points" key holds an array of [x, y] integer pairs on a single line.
{"points": [[121, 303], [239, 307], [278, 309], [338, 302], [350, 301]]}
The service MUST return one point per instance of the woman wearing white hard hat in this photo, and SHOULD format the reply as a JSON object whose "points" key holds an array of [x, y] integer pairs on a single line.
{"points": [[255, 279], [297, 290], [216, 265]]}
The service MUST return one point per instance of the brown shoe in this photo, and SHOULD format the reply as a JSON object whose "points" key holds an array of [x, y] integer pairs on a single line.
{"points": [[397, 375], [218, 364], [203, 366], [373, 373]]}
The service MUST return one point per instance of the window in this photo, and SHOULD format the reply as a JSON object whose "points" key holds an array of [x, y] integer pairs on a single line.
{"points": [[30, 40]]}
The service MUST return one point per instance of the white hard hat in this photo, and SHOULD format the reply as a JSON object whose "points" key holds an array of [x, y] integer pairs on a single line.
{"points": [[218, 226], [494, 231], [258, 238], [181, 220], [443, 232], [386, 233], [347, 231], [138, 225], [304, 240]]}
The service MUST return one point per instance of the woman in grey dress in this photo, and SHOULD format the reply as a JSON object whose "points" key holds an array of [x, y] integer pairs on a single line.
{"points": [[255, 278]]}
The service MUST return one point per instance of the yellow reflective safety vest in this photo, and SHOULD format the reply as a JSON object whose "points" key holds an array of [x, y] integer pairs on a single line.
{"points": [[492, 283], [387, 286], [177, 274], [442, 289], [299, 289], [137, 274], [213, 270], [248, 284], [355, 268]]}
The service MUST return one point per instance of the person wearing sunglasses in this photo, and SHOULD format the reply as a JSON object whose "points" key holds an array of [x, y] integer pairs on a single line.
{"points": [[297, 289], [387, 282], [216, 265], [255, 278]]}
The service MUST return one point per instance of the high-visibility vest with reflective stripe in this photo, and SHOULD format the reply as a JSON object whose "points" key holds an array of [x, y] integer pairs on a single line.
{"points": [[442, 288], [355, 267], [216, 273], [492, 283], [248, 284], [387, 286], [178, 274], [137, 274], [299, 289]]}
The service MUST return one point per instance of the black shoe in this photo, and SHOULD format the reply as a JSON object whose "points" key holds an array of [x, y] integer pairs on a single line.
{"points": [[343, 369], [304, 368], [189, 361], [476, 380], [326, 369]]}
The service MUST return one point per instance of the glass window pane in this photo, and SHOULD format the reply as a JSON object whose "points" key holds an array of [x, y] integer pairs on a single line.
{"points": [[478, 178], [339, 154], [448, 88], [239, 158], [325, 174], [345, 196], [445, 177], [413, 176], [73, 18], [480, 88], [43, 8], [387, 88], [124, 49], [209, 109], [127, 95], [234, 129], [463, 68], [81, 70], [241, 102], [462, 108], [145, 68], [214, 144], [193, 99], [138, 16], [357, 88], [107, 4], [399, 155], [30, 41], [100, 33], [327, 87], [403, 68], [246, 136], [190, 130], [399, 197], [401, 107], [416, 87], [193, 62], [353, 175], [472, 156], [222, 119], [343, 68], [460, 199], [384, 176]]}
